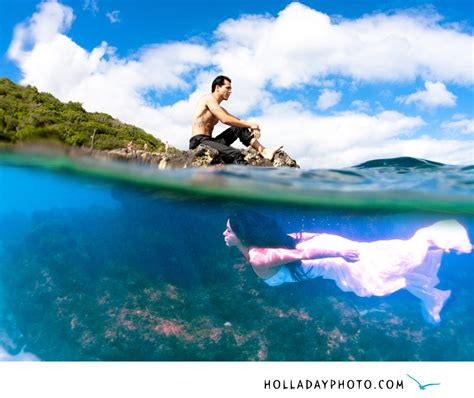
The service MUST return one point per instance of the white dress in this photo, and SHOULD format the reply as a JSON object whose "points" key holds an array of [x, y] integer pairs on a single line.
{"points": [[386, 266]]}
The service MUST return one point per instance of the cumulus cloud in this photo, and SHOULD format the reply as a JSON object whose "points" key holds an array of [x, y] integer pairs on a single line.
{"points": [[53, 62], [51, 20], [302, 44], [342, 139], [434, 95], [328, 99], [113, 16], [298, 47], [460, 126], [350, 138]]}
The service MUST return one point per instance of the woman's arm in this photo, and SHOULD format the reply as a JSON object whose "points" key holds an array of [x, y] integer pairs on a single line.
{"points": [[263, 257], [302, 236]]}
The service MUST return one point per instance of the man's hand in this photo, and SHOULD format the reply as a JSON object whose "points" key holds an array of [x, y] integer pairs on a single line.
{"points": [[255, 129], [256, 134], [254, 126]]}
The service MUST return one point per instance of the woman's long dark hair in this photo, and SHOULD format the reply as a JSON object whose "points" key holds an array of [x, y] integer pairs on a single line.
{"points": [[255, 229]]}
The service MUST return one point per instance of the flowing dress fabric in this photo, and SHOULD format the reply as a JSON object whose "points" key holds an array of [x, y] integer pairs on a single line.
{"points": [[386, 266]]}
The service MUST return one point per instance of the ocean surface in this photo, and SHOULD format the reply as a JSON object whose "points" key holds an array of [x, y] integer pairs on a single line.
{"points": [[111, 261]]}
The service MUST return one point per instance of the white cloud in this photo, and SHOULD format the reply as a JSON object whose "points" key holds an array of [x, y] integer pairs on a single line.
{"points": [[299, 46], [351, 138], [100, 80], [51, 19], [444, 151], [91, 5], [302, 44], [328, 99], [459, 126], [459, 116], [434, 95], [361, 106], [113, 16], [343, 139]]}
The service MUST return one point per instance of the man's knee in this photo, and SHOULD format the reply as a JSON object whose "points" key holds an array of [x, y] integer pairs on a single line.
{"points": [[244, 134]]}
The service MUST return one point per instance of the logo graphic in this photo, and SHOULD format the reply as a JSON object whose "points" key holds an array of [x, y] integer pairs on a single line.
{"points": [[423, 386]]}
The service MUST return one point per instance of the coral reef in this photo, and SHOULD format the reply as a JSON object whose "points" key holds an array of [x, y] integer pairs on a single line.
{"points": [[154, 281]]}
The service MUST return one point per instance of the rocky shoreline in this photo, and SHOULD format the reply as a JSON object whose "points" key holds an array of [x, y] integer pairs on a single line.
{"points": [[202, 156]]}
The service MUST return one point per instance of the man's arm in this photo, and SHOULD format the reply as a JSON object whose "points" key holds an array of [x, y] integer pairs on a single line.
{"points": [[225, 117]]}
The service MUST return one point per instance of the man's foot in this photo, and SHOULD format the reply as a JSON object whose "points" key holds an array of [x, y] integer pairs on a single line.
{"points": [[269, 153]]}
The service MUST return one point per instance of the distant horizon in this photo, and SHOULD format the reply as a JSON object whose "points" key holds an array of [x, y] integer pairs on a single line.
{"points": [[336, 83]]}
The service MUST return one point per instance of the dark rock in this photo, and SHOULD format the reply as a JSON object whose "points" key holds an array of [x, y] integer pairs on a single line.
{"points": [[202, 156], [281, 159]]}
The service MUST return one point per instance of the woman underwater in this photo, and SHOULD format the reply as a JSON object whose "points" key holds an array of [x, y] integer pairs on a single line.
{"points": [[367, 269]]}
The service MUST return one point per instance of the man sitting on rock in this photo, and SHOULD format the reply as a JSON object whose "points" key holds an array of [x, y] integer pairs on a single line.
{"points": [[208, 112]]}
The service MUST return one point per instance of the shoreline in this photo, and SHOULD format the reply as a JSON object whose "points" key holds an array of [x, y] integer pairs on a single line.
{"points": [[202, 156]]}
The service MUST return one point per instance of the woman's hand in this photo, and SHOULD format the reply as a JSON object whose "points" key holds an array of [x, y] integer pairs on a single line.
{"points": [[350, 255]]}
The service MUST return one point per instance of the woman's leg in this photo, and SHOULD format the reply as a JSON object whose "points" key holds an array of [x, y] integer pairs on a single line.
{"points": [[421, 283], [432, 301], [447, 235]]}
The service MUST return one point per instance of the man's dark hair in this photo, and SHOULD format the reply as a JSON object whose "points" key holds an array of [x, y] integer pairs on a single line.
{"points": [[219, 81]]}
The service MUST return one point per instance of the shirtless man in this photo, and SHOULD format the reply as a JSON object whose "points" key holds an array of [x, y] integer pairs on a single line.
{"points": [[208, 112]]}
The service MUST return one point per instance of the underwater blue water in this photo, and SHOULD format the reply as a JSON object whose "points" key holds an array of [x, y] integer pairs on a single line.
{"points": [[20, 192], [118, 262]]}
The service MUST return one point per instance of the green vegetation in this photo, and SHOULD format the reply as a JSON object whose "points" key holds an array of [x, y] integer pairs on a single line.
{"points": [[27, 115]]}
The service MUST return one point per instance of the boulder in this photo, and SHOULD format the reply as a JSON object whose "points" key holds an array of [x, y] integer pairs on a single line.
{"points": [[202, 156]]}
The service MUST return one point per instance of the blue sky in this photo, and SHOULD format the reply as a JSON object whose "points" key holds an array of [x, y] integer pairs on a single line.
{"points": [[336, 82]]}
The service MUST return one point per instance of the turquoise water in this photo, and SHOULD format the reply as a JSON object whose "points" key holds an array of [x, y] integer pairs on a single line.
{"points": [[102, 261]]}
